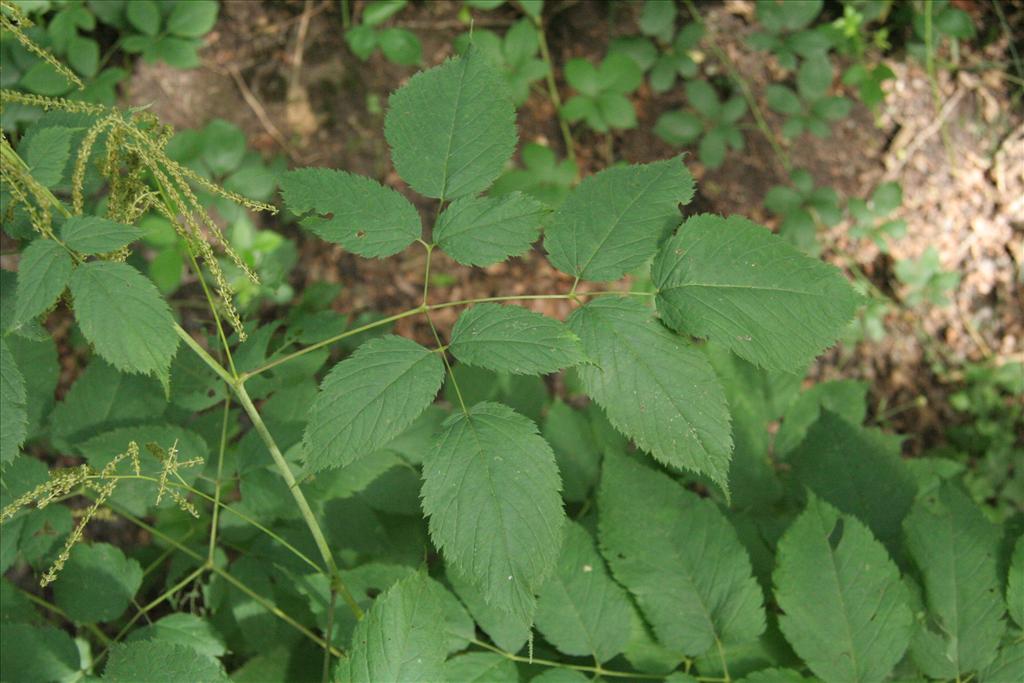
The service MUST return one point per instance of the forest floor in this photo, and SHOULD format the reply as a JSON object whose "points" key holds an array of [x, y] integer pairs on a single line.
{"points": [[282, 72]]}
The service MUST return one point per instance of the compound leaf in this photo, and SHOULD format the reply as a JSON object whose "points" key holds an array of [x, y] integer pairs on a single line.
{"points": [[95, 235], [655, 387], [491, 490], [97, 584], [679, 557], [123, 315], [955, 548], [734, 282], [580, 609], [452, 128], [482, 231], [400, 639], [612, 222], [513, 339], [13, 412], [356, 212], [43, 273], [158, 661], [370, 398], [846, 613]]}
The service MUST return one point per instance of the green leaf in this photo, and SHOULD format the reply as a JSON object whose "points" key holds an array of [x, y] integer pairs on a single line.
{"points": [[859, 471], [619, 74], [84, 55], [400, 46], [185, 629], [43, 79], [513, 339], [580, 609], [482, 231], [13, 414], [955, 22], [451, 129], [356, 212], [954, 547], [783, 100], [560, 676], [656, 388], [102, 396], [846, 398], [845, 611], [47, 153], [37, 654], [370, 398], [491, 491], [1007, 665], [1015, 584], [362, 40], [582, 75], [774, 676], [734, 282], [658, 19], [480, 667], [95, 235], [612, 222], [508, 630], [223, 146], [704, 99], [378, 11], [144, 15], [155, 661], [678, 127], [679, 557], [43, 273], [193, 19], [399, 638], [578, 455], [97, 584], [123, 315]]}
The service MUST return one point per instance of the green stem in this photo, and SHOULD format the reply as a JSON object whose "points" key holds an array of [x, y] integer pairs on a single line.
{"points": [[49, 607], [598, 670], [328, 637], [300, 500], [327, 342], [241, 515], [556, 99], [166, 595], [424, 309], [204, 355], [264, 603], [745, 89], [426, 272], [216, 485]]}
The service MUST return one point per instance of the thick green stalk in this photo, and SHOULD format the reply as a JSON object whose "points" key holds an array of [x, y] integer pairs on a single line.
{"points": [[238, 386], [300, 500]]}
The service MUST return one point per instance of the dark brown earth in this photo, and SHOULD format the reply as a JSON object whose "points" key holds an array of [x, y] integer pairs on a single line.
{"points": [[281, 71]]}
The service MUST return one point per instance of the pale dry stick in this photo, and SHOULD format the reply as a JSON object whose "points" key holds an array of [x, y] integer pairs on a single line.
{"points": [[935, 126], [261, 114]]}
